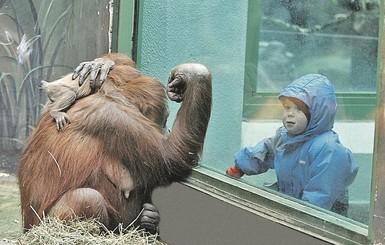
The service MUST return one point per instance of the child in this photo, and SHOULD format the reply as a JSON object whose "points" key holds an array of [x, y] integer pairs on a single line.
{"points": [[309, 160]]}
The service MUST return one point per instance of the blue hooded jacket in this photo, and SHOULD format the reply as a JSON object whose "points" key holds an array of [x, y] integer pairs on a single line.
{"points": [[313, 166]]}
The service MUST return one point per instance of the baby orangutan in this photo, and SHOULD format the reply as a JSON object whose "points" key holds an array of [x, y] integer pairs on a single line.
{"points": [[63, 92]]}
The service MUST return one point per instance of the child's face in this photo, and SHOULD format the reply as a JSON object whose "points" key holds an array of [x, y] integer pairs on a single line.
{"points": [[293, 118]]}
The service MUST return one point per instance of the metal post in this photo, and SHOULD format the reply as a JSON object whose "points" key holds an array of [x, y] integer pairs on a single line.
{"points": [[377, 224]]}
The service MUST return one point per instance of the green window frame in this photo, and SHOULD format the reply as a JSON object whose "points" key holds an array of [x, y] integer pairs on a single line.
{"points": [[123, 25], [279, 208]]}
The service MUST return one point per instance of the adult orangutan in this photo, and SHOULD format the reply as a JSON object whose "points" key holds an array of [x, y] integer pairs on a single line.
{"points": [[116, 139]]}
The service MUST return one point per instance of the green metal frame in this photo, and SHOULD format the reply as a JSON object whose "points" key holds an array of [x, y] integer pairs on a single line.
{"points": [[139, 21], [122, 27], [377, 216]]}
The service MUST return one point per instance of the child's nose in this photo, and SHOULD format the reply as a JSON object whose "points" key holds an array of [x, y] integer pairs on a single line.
{"points": [[290, 112]]}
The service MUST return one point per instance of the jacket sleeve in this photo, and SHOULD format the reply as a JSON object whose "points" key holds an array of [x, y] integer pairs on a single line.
{"points": [[332, 170], [257, 159]]}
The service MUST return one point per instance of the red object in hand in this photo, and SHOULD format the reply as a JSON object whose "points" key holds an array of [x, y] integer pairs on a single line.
{"points": [[233, 171]]}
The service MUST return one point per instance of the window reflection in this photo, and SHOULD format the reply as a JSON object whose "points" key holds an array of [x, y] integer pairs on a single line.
{"points": [[334, 38]]}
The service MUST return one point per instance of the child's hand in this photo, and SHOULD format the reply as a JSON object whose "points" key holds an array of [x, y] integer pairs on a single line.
{"points": [[234, 172]]}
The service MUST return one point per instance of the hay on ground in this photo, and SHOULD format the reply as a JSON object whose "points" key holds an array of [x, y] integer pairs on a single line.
{"points": [[52, 231]]}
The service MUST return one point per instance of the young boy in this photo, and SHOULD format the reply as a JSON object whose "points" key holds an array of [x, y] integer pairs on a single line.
{"points": [[309, 160]]}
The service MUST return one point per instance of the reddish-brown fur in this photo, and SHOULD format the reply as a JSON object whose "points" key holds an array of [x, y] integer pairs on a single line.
{"points": [[63, 92], [122, 124]]}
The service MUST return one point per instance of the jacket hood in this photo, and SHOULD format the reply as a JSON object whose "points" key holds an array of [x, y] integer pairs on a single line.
{"points": [[317, 92]]}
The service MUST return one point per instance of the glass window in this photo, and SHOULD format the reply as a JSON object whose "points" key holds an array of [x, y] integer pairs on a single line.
{"points": [[41, 40], [254, 49]]}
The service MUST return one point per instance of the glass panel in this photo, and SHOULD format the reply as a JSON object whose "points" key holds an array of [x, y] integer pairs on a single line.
{"points": [[331, 38], [41, 40], [328, 37]]}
